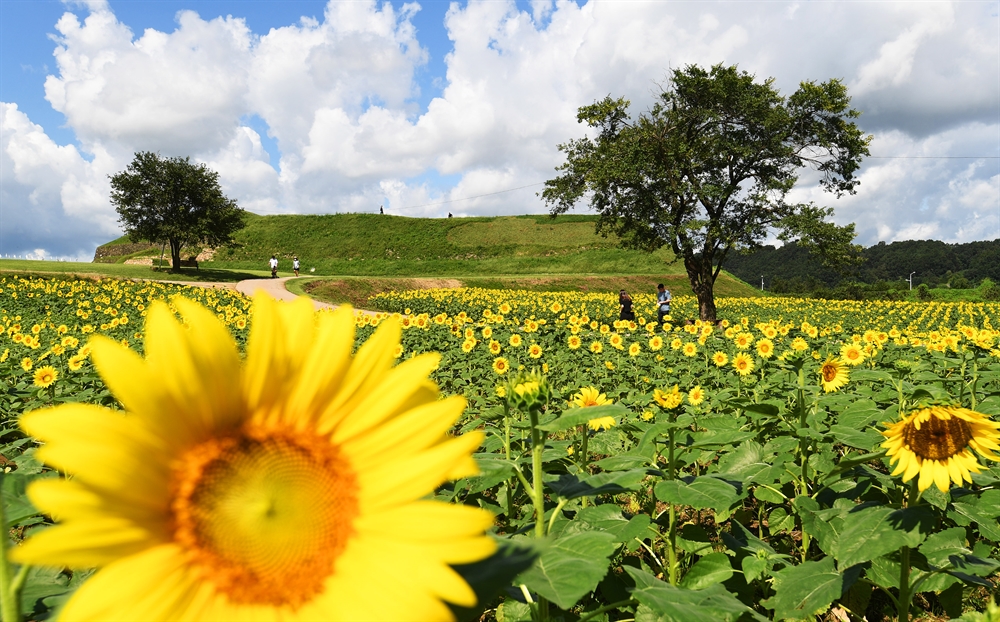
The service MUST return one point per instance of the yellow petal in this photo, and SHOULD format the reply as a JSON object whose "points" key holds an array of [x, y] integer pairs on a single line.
{"points": [[154, 585], [412, 477]]}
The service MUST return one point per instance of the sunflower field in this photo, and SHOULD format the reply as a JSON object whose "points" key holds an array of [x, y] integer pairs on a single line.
{"points": [[798, 460]]}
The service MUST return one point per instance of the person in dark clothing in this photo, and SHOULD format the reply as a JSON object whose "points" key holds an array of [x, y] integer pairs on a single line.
{"points": [[625, 306], [662, 303]]}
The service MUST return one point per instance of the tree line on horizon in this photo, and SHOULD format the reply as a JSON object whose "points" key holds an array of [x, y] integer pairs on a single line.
{"points": [[885, 268]]}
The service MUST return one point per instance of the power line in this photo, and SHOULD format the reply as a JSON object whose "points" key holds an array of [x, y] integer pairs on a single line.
{"points": [[934, 157], [539, 183]]}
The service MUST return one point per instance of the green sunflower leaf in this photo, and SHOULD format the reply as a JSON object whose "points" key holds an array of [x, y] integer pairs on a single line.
{"points": [[699, 493], [570, 567], [673, 604], [803, 591]]}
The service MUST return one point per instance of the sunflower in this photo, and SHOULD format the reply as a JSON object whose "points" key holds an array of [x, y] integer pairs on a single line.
{"points": [[852, 354], [634, 349], [45, 376], [589, 396], [273, 488], [616, 341], [574, 342], [514, 341], [26, 364], [468, 345], [689, 349], [799, 344], [494, 347], [720, 359], [743, 364], [501, 366], [668, 399], [696, 395], [655, 342], [535, 351], [601, 423], [936, 443], [743, 340], [765, 348], [833, 374], [596, 347]]}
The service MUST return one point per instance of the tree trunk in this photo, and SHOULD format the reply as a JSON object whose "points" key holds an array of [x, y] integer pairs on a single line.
{"points": [[175, 255], [702, 283]]}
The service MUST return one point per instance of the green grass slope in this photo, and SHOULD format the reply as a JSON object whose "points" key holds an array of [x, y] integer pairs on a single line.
{"points": [[374, 245]]}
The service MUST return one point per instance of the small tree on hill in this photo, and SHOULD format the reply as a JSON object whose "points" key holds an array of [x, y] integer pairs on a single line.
{"points": [[708, 168], [174, 201]]}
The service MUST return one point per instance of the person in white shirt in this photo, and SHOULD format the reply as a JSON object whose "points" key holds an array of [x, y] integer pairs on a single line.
{"points": [[274, 266], [295, 265]]}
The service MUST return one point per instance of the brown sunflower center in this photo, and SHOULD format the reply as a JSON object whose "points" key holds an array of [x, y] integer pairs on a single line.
{"points": [[264, 515], [938, 439], [830, 372]]}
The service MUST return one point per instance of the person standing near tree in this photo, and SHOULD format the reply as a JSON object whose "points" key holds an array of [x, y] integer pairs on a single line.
{"points": [[295, 265], [663, 303], [274, 266]]}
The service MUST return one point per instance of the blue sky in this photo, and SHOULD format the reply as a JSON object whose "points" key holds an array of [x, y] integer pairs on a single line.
{"points": [[427, 108]]}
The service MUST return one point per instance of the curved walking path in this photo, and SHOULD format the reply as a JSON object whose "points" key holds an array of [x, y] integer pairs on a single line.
{"points": [[276, 289]]}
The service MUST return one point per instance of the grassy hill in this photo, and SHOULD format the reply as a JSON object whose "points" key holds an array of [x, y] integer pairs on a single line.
{"points": [[374, 245]]}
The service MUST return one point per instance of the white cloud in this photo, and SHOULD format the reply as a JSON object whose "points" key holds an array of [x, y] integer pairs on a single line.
{"points": [[338, 97], [49, 194]]}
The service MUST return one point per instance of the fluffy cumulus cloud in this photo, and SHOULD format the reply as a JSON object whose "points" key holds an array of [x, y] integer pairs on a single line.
{"points": [[340, 128]]}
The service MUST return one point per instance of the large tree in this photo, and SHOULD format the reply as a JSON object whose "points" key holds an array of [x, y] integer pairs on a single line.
{"points": [[171, 200], [707, 170]]}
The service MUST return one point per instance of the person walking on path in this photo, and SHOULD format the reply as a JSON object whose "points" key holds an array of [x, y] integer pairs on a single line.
{"points": [[295, 265], [625, 307], [274, 266], [663, 303]]}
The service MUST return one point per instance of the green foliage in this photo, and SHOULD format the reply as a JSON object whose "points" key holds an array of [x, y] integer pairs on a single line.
{"points": [[172, 200], [707, 169], [884, 267]]}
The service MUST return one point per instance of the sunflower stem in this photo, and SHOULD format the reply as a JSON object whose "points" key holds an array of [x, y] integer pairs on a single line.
{"points": [[673, 568], [800, 399], [506, 445], [585, 501], [10, 609], [905, 589]]}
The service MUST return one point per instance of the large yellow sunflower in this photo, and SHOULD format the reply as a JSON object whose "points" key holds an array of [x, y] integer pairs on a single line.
{"points": [[290, 486], [936, 443], [833, 374]]}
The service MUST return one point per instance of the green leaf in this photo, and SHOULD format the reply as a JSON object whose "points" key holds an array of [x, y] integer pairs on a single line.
{"points": [[984, 511], [570, 567], [572, 417], [674, 604], [624, 461], [572, 487], [709, 570], [608, 518], [875, 531], [17, 507], [855, 438], [699, 493], [761, 409], [853, 460], [806, 590], [488, 577]]}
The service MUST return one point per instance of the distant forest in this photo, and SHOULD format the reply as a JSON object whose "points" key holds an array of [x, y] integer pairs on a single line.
{"points": [[790, 269]]}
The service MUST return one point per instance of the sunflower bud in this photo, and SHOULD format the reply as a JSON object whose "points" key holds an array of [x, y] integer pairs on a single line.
{"points": [[529, 391]]}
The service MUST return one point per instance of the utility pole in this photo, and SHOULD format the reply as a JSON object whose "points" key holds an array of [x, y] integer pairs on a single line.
{"points": [[911, 279], [762, 282]]}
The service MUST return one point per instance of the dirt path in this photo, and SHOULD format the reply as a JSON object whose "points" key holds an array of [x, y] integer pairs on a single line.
{"points": [[276, 289]]}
